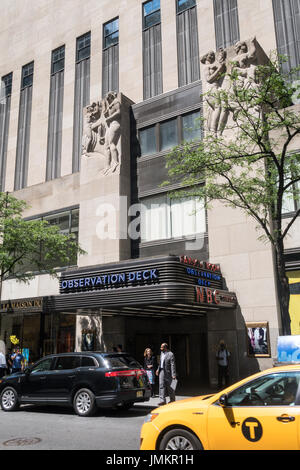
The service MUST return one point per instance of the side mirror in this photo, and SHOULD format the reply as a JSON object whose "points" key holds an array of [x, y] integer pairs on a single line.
{"points": [[27, 371], [223, 400]]}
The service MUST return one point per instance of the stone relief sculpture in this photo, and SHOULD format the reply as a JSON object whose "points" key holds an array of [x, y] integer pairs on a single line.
{"points": [[217, 66], [214, 72], [102, 131]]}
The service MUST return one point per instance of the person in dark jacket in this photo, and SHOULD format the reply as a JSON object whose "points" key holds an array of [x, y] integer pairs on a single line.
{"points": [[150, 367]]}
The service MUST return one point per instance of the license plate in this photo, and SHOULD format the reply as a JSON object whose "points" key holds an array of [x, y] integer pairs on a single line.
{"points": [[139, 394]]}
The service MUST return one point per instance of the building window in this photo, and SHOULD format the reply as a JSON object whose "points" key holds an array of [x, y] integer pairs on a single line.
{"points": [[27, 75], [83, 47], [6, 86], [5, 102], [291, 200], [55, 114], [68, 223], [287, 29], [152, 54], [81, 94], [24, 123], [165, 218], [110, 57], [58, 60], [226, 23], [167, 134], [187, 42], [191, 127]]}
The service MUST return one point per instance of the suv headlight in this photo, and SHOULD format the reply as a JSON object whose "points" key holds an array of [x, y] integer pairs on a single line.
{"points": [[150, 417]]}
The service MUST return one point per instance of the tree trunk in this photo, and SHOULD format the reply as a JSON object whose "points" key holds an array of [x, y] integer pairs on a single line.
{"points": [[283, 288]]}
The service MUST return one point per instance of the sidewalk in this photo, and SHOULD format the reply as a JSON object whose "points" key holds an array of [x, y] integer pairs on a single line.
{"points": [[181, 394]]}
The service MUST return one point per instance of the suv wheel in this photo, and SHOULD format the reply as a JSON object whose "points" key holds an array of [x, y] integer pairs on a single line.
{"points": [[84, 402], [180, 439], [9, 399]]}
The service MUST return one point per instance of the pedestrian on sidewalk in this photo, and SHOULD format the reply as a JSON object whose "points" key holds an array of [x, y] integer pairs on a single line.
{"points": [[150, 366], [166, 372], [2, 359], [222, 357], [17, 361]]}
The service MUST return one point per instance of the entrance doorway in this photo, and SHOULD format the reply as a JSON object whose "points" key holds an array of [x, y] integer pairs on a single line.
{"points": [[178, 344]]}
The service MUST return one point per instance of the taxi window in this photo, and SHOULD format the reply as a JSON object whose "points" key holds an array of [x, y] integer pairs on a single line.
{"points": [[278, 389]]}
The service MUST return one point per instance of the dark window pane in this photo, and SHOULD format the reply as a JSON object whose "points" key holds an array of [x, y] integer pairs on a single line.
{"points": [[27, 81], [168, 134], [191, 129], [42, 366], [6, 86], [27, 75], [58, 59], [83, 54], [151, 6], [152, 19], [68, 362], [58, 66], [111, 39], [111, 27], [147, 141], [184, 4], [87, 362], [83, 50]]}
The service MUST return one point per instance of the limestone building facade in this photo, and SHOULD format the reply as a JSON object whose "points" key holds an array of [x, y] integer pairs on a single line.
{"points": [[94, 94]]}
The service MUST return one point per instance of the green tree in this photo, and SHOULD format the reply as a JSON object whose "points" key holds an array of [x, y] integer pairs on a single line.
{"points": [[30, 246], [250, 166]]}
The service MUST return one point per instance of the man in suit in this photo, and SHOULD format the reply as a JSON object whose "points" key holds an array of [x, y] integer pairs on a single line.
{"points": [[166, 372]]}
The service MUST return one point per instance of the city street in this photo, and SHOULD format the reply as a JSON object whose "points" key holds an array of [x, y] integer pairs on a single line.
{"points": [[57, 428]]}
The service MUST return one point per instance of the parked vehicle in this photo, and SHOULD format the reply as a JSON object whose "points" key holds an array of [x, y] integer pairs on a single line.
{"points": [[84, 380]]}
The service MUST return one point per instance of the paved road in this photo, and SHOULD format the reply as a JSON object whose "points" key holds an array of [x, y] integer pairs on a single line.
{"points": [[56, 428]]}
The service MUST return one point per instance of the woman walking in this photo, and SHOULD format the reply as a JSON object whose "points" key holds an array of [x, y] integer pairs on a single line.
{"points": [[150, 367]]}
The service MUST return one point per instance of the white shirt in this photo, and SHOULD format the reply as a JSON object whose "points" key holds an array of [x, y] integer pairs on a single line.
{"points": [[162, 358], [222, 356], [2, 360]]}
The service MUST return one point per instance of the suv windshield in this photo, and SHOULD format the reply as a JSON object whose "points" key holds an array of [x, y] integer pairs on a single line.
{"points": [[116, 361]]}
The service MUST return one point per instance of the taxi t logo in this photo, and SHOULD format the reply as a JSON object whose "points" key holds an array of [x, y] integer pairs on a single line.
{"points": [[252, 429]]}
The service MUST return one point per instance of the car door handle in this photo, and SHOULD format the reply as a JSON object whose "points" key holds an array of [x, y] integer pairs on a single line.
{"points": [[71, 376], [285, 418], [43, 378]]}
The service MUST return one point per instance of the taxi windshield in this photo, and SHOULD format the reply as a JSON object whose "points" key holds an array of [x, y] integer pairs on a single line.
{"points": [[274, 389]]}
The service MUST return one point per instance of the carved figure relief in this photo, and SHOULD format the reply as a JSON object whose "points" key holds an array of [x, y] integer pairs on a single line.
{"points": [[217, 67], [214, 72], [102, 131]]}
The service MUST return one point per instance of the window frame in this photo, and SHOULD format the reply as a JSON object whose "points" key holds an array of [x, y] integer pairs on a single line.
{"points": [[53, 62], [6, 87], [180, 132], [105, 36], [248, 383], [66, 357], [25, 75], [78, 49], [178, 12], [169, 219], [39, 362], [152, 12]]}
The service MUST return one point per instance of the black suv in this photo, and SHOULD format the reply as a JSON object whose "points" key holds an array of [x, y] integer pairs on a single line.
{"points": [[84, 380]]}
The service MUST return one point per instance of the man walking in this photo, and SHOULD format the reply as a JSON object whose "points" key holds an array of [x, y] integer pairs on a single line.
{"points": [[166, 372]]}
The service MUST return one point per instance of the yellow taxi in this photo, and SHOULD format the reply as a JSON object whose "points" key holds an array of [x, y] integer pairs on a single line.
{"points": [[259, 412]]}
